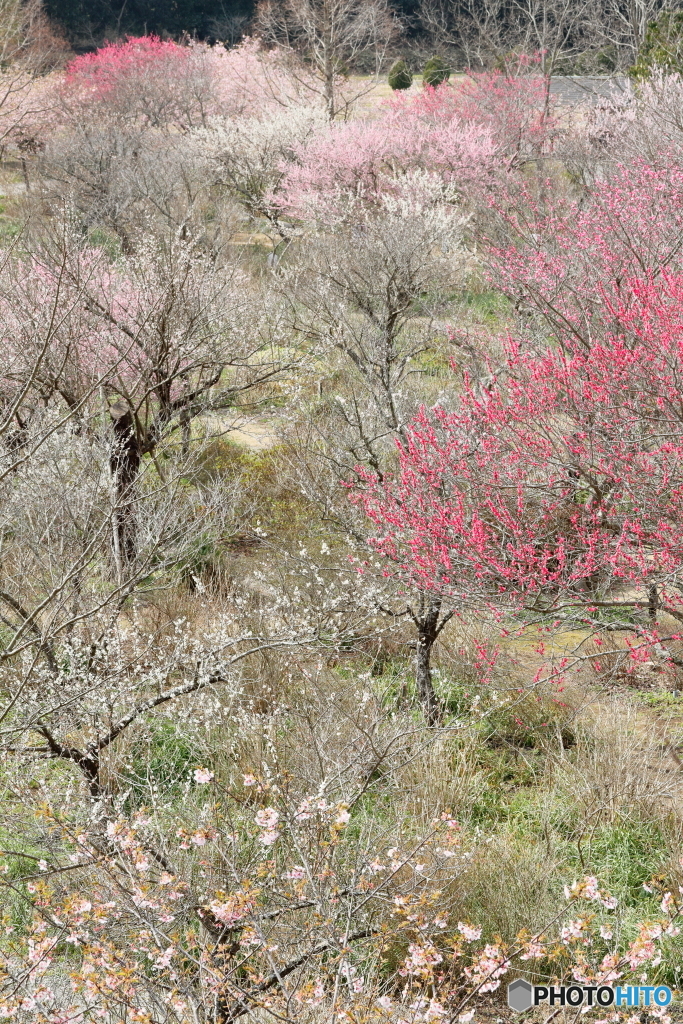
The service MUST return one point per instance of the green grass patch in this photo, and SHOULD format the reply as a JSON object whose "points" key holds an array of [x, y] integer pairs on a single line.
{"points": [[162, 761], [485, 305]]}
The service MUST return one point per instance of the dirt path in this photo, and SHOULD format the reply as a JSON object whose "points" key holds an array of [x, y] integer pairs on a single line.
{"points": [[256, 434]]}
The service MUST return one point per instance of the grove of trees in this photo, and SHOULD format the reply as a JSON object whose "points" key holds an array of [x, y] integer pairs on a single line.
{"points": [[340, 520], [579, 37]]}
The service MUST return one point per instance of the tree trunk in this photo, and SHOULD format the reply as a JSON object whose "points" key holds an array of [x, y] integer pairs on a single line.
{"points": [[185, 433], [427, 622], [124, 462]]}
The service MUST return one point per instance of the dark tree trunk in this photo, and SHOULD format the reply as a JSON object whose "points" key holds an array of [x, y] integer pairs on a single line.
{"points": [[185, 433], [17, 439], [124, 463], [428, 629]]}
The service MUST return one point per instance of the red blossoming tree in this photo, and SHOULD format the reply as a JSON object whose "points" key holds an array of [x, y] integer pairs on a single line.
{"points": [[557, 487], [561, 254]]}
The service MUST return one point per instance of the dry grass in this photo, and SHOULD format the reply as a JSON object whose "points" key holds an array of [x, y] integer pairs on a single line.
{"points": [[611, 665], [621, 768]]}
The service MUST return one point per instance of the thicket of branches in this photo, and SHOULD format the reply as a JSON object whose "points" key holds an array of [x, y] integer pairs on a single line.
{"points": [[340, 455], [591, 37]]}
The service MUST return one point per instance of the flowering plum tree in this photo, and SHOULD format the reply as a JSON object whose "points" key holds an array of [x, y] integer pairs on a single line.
{"points": [[392, 194], [362, 162], [641, 124], [513, 105], [143, 76], [556, 488], [162, 84], [627, 226], [464, 136], [250, 156], [150, 333]]}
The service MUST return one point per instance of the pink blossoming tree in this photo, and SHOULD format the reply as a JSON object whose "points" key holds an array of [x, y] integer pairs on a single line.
{"points": [[555, 487]]}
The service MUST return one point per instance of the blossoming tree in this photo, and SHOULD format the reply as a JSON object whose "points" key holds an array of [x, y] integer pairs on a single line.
{"points": [[556, 486]]}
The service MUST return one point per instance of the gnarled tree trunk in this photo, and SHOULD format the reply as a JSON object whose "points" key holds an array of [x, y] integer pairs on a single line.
{"points": [[428, 627]]}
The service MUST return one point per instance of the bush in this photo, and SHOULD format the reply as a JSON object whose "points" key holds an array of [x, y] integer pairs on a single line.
{"points": [[400, 76], [436, 71]]}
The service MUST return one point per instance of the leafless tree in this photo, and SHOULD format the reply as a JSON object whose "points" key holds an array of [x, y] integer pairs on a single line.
{"points": [[367, 296], [623, 26], [473, 34], [593, 35], [129, 182], [228, 26], [332, 37]]}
